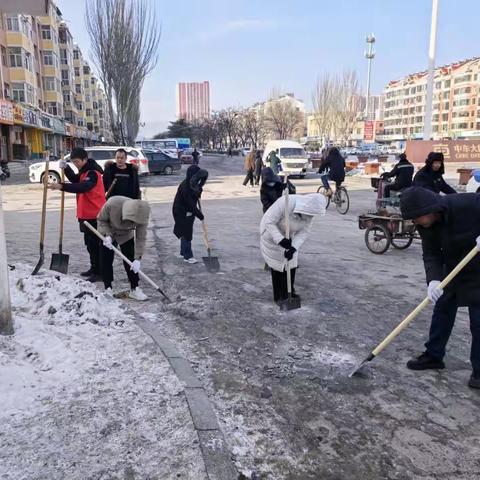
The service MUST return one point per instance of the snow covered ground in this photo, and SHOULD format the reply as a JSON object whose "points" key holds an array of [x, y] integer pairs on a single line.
{"points": [[85, 394]]}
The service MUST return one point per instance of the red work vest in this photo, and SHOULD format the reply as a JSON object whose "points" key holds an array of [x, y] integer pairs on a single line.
{"points": [[90, 203]]}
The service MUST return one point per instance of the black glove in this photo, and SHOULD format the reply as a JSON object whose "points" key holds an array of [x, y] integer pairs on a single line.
{"points": [[201, 217], [286, 243], [289, 253]]}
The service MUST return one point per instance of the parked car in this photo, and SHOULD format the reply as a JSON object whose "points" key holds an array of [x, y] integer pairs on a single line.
{"points": [[100, 154], [245, 151], [292, 155], [160, 162], [473, 185]]}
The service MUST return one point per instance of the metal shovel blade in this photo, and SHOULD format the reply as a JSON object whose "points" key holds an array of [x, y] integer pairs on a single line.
{"points": [[212, 264], [290, 303], [38, 266], [59, 262]]}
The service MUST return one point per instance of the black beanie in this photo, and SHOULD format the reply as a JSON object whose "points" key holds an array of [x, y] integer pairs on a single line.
{"points": [[417, 201]]}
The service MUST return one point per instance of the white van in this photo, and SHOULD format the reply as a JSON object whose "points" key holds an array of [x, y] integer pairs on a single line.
{"points": [[294, 159]]}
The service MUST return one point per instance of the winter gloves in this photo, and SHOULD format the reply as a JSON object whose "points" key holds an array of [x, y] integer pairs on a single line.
{"points": [[434, 293], [286, 243], [135, 266], [108, 242], [289, 253]]}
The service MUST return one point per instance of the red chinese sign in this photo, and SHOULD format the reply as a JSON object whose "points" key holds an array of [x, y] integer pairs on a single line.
{"points": [[368, 131], [459, 151]]}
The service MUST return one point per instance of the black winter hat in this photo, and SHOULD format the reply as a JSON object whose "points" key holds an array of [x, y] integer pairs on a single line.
{"points": [[417, 201]]}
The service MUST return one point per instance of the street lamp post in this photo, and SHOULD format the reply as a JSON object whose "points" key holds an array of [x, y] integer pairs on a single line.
{"points": [[427, 129], [369, 55]]}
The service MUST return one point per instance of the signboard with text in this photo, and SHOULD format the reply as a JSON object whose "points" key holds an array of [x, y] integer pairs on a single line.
{"points": [[6, 112], [368, 131], [454, 151]]}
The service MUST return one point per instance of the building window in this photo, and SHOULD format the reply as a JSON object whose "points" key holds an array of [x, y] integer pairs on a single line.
{"points": [[77, 71], [463, 78], [46, 32], [87, 98], [78, 88], [49, 83], [448, 83], [445, 117], [89, 112], [66, 98], [13, 24], [85, 83], [18, 92], [63, 57], [28, 61], [86, 70], [76, 55], [4, 56], [462, 91], [6, 90], [48, 57], [462, 102], [54, 108], [15, 54]]}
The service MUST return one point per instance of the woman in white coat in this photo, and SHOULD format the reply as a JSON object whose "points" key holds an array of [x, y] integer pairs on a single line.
{"points": [[277, 250]]}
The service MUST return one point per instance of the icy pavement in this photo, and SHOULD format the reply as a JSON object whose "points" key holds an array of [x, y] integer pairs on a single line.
{"points": [[85, 394]]}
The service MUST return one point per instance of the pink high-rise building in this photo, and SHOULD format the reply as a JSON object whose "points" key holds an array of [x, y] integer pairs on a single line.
{"points": [[193, 100]]}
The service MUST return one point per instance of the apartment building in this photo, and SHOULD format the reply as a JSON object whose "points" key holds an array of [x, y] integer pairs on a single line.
{"points": [[193, 100], [39, 99], [456, 108]]}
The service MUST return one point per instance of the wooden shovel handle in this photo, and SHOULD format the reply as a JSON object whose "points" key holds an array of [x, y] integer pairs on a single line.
{"points": [[62, 211], [44, 200], [109, 191]]}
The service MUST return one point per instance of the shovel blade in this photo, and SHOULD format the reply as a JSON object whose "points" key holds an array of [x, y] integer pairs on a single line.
{"points": [[38, 266], [291, 303], [59, 262], [357, 369], [212, 264]]}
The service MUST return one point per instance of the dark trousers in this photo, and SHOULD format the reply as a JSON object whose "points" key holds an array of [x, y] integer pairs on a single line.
{"points": [[279, 283], [186, 248], [390, 188], [443, 318], [92, 243], [257, 178], [249, 178], [106, 263]]}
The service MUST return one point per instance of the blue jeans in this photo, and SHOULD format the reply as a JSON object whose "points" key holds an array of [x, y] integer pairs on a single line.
{"points": [[186, 248], [325, 177], [443, 318]]}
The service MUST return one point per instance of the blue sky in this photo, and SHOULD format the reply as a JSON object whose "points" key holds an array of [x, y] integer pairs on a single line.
{"points": [[245, 48]]}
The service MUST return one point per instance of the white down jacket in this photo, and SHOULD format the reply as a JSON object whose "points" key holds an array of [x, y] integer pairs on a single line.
{"points": [[302, 209]]}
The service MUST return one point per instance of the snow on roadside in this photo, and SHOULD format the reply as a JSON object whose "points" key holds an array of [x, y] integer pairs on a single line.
{"points": [[84, 392]]}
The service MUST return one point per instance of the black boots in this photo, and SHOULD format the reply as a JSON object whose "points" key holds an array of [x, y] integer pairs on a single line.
{"points": [[88, 273], [425, 362]]}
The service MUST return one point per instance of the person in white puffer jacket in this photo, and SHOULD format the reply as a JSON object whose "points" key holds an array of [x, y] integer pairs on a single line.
{"points": [[278, 250]]}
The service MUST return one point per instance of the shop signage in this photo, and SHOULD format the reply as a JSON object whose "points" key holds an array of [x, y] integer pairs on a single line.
{"points": [[58, 126], [46, 121], [453, 150], [25, 116], [368, 132], [6, 112]]}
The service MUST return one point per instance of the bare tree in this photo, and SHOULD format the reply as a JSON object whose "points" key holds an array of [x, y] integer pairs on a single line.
{"points": [[323, 100], [283, 119], [228, 119], [347, 105], [124, 35], [256, 128]]}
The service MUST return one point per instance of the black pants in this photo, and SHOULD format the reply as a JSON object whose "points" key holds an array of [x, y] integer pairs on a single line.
{"points": [[390, 188], [257, 178], [92, 243], [279, 283], [249, 178], [106, 263]]}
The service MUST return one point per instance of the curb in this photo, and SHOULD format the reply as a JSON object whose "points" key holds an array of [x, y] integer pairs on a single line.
{"points": [[216, 456]]}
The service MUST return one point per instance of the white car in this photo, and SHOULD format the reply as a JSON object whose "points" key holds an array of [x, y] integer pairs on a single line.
{"points": [[99, 153], [246, 151], [473, 185], [292, 155]]}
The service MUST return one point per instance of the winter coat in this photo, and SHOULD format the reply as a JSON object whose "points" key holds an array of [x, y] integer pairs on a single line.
{"points": [[274, 162], [126, 185], [301, 209], [123, 219], [249, 162], [334, 164], [272, 188], [448, 241], [403, 172], [433, 181], [258, 164], [185, 207]]}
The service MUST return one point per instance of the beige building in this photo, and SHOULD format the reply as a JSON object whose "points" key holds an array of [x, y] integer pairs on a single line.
{"points": [[456, 111]]}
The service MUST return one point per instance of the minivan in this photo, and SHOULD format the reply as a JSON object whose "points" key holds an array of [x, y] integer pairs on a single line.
{"points": [[294, 159]]}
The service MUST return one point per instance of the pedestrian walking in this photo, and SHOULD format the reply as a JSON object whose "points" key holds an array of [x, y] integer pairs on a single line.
{"points": [[274, 162], [431, 175], [87, 184], [185, 210], [449, 227], [272, 188], [403, 174], [121, 178], [123, 222], [195, 156], [249, 167], [332, 168], [278, 250], [258, 166]]}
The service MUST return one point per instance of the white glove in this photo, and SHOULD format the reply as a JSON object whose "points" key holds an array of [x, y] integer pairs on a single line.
{"points": [[434, 293], [478, 242], [62, 164], [108, 242], [135, 266]]}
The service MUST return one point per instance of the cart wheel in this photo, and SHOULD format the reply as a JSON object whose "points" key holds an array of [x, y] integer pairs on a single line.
{"points": [[323, 191], [377, 239], [402, 243]]}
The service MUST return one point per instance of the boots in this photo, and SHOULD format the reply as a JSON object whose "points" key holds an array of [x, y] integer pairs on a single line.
{"points": [[425, 362]]}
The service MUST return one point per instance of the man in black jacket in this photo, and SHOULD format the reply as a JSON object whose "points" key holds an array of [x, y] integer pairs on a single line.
{"points": [[332, 167], [431, 175], [121, 178], [449, 227], [403, 173]]}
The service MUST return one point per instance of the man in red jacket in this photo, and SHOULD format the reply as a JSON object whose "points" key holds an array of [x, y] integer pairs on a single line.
{"points": [[88, 185]]}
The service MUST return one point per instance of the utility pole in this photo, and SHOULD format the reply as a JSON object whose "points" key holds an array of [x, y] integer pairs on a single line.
{"points": [[369, 55], [6, 319], [427, 129]]}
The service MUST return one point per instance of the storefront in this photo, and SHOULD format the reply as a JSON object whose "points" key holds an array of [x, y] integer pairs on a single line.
{"points": [[28, 137], [59, 136], [6, 125]]}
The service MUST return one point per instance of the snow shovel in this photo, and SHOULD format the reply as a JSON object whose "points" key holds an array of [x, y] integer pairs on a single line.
{"points": [[44, 215], [415, 312], [109, 191], [291, 302], [60, 260], [128, 262], [212, 263]]}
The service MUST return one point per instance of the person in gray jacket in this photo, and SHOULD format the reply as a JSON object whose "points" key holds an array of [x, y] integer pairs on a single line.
{"points": [[123, 222]]}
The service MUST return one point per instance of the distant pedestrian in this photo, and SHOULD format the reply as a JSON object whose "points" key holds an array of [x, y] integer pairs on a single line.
{"points": [[185, 209], [249, 167], [272, 188], [195, 156], [274, 162], [88, 185], [121, 178], [431, 175], [258, 166], [277, 250], [123, 222], [229, 151]]}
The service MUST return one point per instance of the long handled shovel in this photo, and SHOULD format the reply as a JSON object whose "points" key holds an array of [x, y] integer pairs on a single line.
{"points": [[128, 262], [291, 303], [109, 191], [415, 312], [44, 216], [212, 263], [59, 261]]}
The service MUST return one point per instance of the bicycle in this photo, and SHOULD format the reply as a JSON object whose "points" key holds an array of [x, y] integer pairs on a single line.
{"points": [[340, 198]]}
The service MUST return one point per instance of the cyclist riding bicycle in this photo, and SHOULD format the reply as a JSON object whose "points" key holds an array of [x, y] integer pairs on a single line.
{"points": [[332, 168]]}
